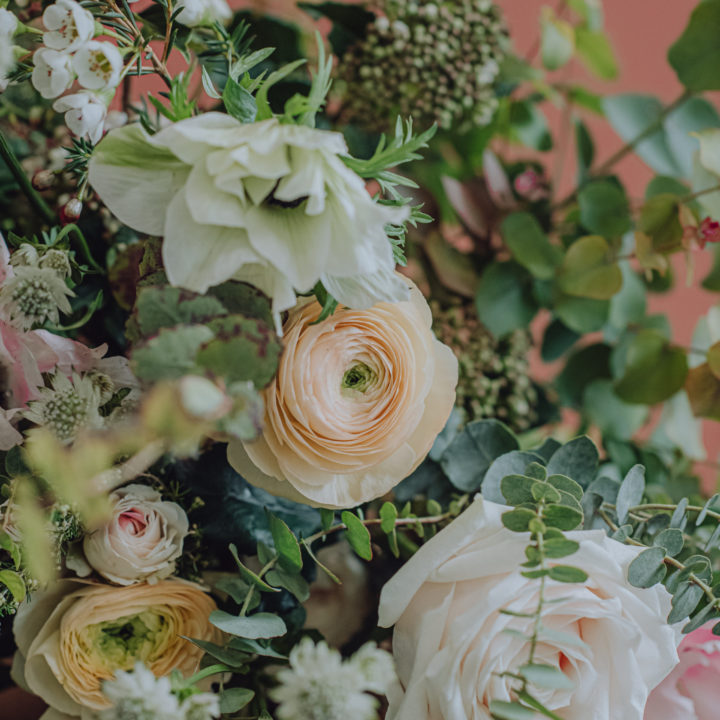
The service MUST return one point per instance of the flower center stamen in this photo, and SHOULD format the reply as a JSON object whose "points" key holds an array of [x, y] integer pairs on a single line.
{"points": [[359, 377]]}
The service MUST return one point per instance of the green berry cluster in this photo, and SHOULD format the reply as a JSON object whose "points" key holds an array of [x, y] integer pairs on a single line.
{"points": [[434, 62]]}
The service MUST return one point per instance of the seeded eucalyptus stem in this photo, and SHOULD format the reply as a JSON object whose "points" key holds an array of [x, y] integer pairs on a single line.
{"points": [[24, 182]]}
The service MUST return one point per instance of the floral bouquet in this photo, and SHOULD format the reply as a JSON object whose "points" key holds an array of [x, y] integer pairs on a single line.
{"points": [[321, 397]]}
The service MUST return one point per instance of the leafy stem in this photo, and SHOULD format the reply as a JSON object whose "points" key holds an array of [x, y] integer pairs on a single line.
{"points": [[251, 592], [207, 672], [24, 182]]}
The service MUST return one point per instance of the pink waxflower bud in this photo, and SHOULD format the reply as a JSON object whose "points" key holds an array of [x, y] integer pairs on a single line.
{"points": [[529, 184], [71, 211]]}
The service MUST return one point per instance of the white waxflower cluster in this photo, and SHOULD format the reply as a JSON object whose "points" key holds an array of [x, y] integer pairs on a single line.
{"points": [[434, 62], [139, 695], [36, 292], [320, 685], [70, 53]]}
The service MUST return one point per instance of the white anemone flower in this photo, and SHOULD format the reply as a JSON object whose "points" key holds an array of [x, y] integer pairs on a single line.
{"points": [[267, 203], [68, 25], [85, 114], [98, 65], [203, 12], [53, 73]]}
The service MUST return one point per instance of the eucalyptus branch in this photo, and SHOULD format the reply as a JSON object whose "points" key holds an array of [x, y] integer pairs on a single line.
{"points": [[628, 147], [430, 520], [23, 181]]}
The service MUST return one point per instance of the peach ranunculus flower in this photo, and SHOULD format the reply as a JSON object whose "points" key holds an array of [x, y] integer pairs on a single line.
{"points": [[692, 690], [451, 642], [75, 634], [356, 404]]}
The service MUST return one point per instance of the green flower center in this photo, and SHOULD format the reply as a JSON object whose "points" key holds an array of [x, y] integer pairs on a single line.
{"points": [[359, 377], [119, 644]]}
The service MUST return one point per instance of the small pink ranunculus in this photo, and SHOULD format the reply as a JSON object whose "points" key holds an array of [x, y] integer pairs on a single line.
{"points": [[692, 690]]}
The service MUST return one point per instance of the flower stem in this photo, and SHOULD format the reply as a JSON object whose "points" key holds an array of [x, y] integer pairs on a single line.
{"points": [[24, 182]]}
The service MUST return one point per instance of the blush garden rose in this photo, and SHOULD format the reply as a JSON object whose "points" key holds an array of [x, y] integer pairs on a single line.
{"points": [[692, 690], [75, 635], [450, 640], [142, 540], [356, 404]]}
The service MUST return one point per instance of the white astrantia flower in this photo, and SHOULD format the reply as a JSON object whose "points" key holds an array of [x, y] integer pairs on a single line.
{"points": [[8, 23], [70, 405], [68, 25], [34, 296], [203, 12], [98, 65], [139, 695], [375, 666], [53, 73], [85, 114], [318, 685], [267, 203]]}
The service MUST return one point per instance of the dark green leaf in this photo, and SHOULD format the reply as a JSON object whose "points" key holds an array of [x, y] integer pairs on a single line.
{"points": [[671, 539], [388, 516], [695, 56], [505, 285], [512, 463], [286, 544], [357, 535], [292, 582], [529, 126], [247, 574], [577, 460], [684, 601], [557, 340], [518, 520], [562, 517], [566, 484], [226, 655], [631, 492], [560, 547], [517, 489]]}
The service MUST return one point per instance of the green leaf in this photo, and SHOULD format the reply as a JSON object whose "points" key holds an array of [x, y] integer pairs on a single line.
{"points": [[14, 583], [328, 518], [562, 517], [525, 696], [545, 491], [227, 655], [260, 625], [557, 40], [695, 56], [588, 270], [517, 489], [293, 582], [566, 485], [546, 676], [170, 354], [512, 463], [660, 221], [654, 369], [349, 22], [585, 149], [671, 539], [10, 546], [560, 547], [631, 492], [501, 710], [469, 455], [703, 391], [518, 520], [256, 648], [165, 307], [234, 699], [581, 314], [239, 102], [357, 535], [577, 460], [528, 126], [509, 286], [557, 340], [604, 209], [684, 601], [388, 516], [648, 568], [286, 544], [594, 49], [530, 246], [248, 574], [631, 115], [613, 417], [242, 349]]}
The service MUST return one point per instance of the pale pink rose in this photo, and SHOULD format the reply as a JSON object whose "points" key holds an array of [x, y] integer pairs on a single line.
{"points": [[356, 404], [692, 690], [451, 640], [142, 540]]}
